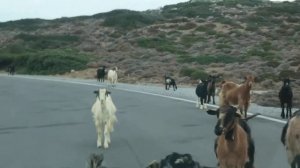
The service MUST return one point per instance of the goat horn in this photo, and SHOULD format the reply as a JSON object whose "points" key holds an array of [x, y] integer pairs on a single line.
{"points": [[254, 115]]}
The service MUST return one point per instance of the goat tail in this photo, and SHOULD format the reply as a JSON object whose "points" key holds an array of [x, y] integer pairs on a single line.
{"points": [[254, 115]]}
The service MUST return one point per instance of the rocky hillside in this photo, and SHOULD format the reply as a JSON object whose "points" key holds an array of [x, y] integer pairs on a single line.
{"points": [[187, 41]]}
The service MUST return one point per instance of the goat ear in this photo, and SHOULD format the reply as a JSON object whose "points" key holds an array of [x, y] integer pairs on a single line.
{"points": [[212, 112], [108, 92], [96, 92]]}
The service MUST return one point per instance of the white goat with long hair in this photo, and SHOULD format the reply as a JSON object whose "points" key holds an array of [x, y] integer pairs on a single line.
{"points": [[112, 76], [104, 116]]}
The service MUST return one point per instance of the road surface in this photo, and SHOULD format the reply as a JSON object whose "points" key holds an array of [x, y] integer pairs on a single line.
{"points": [[48, 124]]}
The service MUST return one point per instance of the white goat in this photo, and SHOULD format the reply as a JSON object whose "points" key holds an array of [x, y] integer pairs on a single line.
{"points": [[112, 76], [104, 116], [290, 137]]}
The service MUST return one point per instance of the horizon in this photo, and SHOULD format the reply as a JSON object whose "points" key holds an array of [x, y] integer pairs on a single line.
{"points": [[14, 10], [41, 9]]}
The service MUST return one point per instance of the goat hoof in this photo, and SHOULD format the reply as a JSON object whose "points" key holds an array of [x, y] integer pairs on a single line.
{"points": [[98, 145]]}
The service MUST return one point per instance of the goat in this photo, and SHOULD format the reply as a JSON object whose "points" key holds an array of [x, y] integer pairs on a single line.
{"points": [[11, 69], [101, 74], [290, 138], [104, 116], [112, 76], [285, 97], [235, 94], [201, 92], [170, 81], [211, 88], [227, 115], [95, 161], [176, 160]]}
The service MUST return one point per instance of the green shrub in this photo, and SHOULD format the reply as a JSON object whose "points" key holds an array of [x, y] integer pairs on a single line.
{"points": [[196, 9], [187, 26], [252, 27], [265, 76], [126, 19], [190, 39], [45, 62], [233, 3], [193, 73], [199, 74], [273, 63], [202, 28], [23, 24], [276, 9], [47, 41], [289, 73], [264, 55], [221, 46], [160, 44], [207, 59]]}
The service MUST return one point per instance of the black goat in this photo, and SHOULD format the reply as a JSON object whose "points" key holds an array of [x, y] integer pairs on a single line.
{"points": [[211, 87], [285, 97], [176, 160], [11, 69], [221, 113], [101, 74], [170, 82], [201, 92]]}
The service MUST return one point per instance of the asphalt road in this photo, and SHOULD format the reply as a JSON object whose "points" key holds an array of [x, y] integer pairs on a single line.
{"points": [[48, 124]]}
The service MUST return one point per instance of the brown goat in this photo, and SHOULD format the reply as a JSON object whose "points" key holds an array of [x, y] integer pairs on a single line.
{"points": [[232, 144], [290, 137], [235, 94]]}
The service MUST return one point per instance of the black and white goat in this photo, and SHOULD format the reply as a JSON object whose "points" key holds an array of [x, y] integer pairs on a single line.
{"points": [[201, 92], [285, 97], [170, 82], [176, 160], [104, 116]]}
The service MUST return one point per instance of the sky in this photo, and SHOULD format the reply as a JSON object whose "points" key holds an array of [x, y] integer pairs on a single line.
{"points": [[51, 9]]}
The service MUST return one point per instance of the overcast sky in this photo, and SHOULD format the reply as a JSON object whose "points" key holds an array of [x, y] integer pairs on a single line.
{"points": [[51, 9]]}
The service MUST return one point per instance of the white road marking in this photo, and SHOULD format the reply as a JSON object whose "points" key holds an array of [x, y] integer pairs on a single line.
{"points": [[135, 91]]}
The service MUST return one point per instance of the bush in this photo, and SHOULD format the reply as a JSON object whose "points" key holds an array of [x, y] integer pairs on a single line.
{"points": [[126, 19], [233, 3], [273, 63], [207, 59], [193, 73], [45, 61], [190, 39], [23, 24], [289, 73], [264, 55], [267, 76], [187, 26], [160, 44], [196, 9], [47, 41]]}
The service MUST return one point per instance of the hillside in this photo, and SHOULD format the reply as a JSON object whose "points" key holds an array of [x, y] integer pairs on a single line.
{"points": [[187, 41]]}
